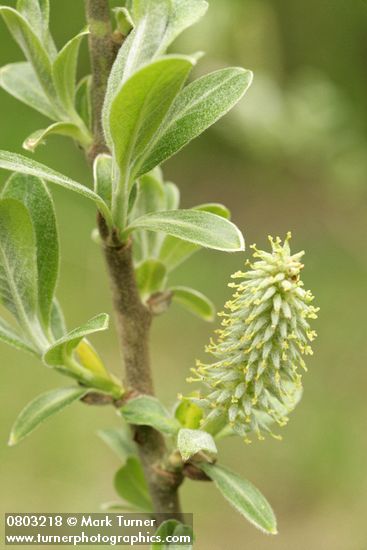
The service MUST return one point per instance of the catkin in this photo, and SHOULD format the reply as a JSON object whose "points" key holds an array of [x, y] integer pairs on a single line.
{"points": [[258, 355]]}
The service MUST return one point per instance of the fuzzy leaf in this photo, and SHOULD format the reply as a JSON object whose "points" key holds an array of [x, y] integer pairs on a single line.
{"points": [[24, 165], [139, 108], [151, 198], [148, 411], [120, 441], [18, 271], [57, 321], [33, 193], [32, 47], [37, 13], [198, 227], [173, 528], [168, 19], [64, 71], [67, 129], [20, 81], [130, 485], [151, 277], [191, 442], [123, 20], [194, 301], [140, 47], [42, 408], [132, 197], [172, 193], [174, 251], [74, 356], [63, 348], [184, 14], [10, 337], [102, 172], [198, 106], [83, 100], [243, 496], [151, 195], [140, 8], [214, 208]]}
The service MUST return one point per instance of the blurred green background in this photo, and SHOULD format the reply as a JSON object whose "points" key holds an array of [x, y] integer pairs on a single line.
{"points": [[291, 156]]}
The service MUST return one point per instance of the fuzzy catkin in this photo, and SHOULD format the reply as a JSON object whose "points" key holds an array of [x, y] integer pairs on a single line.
{"points": [[255, 378]]}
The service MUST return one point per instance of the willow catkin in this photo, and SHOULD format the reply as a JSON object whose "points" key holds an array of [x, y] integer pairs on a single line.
{"points": [[255, 378]]}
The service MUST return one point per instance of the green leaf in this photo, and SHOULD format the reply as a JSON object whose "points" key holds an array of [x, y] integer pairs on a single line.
{"points": [[18, 265], [141, 8], [19, 163], [168, 19], [83, 100], [59, 352], [139, 108], [173, 528], [74, 356], [184, 14], [42, 408], [151, 277], [123, 20], [57, 321], [37, 13], [102, 172], [148, 411], [140, 47], [20, 81], [33, 193], [198, 227], [194, 301], [130, 485], [32, 47], [197, 107], [191, 442], [120, 441], [67, 129], [215, 208], [12, 338], [174, 251], [172, 193], [64, 71], [188, 413], [133, 196], [151, 197], [243, 496]]}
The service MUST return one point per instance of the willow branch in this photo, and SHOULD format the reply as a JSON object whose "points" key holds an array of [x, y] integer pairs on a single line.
{"points": [[133, 326], [102, 52], [133, 318]]}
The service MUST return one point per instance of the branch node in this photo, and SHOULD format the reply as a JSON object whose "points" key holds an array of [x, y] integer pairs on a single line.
{"points": [[159, 302]]}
